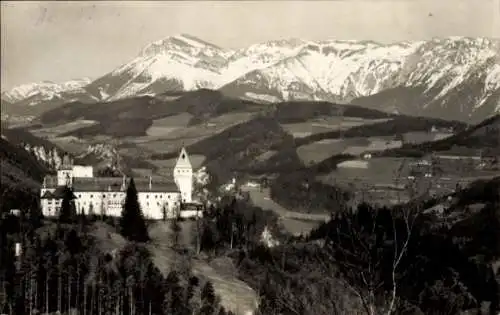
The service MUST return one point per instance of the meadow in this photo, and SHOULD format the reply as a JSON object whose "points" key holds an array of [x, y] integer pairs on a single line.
{"points": [[171, 133], [325, 124], [54, 131], [380, 171], [318, 151], [164, 126]]}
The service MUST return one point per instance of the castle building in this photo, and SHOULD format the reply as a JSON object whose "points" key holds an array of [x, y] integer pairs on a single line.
{"points": [[160, 198]]}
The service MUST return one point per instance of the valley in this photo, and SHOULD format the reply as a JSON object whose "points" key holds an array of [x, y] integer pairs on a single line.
{"points": [[233, 137]]}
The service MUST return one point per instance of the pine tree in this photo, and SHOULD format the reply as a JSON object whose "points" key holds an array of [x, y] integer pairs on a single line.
{"points": [[174, 302], [67, 211], [132, 223], [176, 233], [209, 303]]}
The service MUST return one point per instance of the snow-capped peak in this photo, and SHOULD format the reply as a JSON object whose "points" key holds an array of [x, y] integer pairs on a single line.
{"points": [[181, 42], [45, 89], [428, 71]]}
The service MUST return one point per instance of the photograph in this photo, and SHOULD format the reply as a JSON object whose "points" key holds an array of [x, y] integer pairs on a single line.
{"points": [[265, 157]]}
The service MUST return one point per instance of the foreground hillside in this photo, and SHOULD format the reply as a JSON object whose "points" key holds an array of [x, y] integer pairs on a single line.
{"points": [[431, 257]]}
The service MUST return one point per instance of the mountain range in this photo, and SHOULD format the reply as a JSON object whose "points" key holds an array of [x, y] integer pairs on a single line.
{"points": [[454, 78]]}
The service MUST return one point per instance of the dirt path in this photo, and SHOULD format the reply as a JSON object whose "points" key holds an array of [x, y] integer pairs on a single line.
{"points": [[235, 294]]}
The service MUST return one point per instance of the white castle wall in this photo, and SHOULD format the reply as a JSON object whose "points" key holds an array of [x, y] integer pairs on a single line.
{"points": [[155, 205], [83, 171]]}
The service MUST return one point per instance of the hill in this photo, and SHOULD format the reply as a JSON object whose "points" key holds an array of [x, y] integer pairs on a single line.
{"points": [[21, 175], [133, 116], [259, 145], [484, 137], [397, 126]]}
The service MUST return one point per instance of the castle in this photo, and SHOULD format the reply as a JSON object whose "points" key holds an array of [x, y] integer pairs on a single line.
{"points": [[159, 198]]}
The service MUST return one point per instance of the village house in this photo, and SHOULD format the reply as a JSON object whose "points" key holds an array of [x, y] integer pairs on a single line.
{"points": [[160, 198]]}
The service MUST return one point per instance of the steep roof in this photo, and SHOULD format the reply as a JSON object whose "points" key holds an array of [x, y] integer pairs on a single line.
{"points": [[56, 194], [103, 184], [116, 184], [158, 184], [183, 160]]}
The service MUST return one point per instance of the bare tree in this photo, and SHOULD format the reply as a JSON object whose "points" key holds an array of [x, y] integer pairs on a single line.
{"points": [[361, 251]]}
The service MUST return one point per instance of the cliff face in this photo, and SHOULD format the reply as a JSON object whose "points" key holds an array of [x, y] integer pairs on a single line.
{"points": [[52, 158]]}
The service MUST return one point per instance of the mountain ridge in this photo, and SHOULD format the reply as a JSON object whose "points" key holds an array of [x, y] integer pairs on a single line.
{"points": [[458, 72]]}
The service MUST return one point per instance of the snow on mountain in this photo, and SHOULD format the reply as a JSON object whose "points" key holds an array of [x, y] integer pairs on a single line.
{"points": [[44, 90], [180, 62], [440, 73], [331, 69], [349, 69], [258, 56], [298, 69], [409, 77]]}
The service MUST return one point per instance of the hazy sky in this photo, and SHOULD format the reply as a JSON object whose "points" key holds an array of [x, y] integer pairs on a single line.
{"points": [[59, 41]]}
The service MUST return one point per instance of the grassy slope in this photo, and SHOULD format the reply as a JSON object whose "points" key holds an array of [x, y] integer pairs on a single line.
{"points": [[235, 294], [398, 125], [133, 116]]}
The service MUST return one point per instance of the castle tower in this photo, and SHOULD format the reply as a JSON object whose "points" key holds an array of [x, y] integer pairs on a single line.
{"points": [[65, 172], [183, 176]]}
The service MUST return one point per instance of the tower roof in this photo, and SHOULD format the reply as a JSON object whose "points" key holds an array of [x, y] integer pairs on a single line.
{"points": [[183, 159]]}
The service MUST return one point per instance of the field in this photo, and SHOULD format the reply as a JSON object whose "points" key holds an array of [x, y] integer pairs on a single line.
{"points": [[164, 126], [382, 143], [167, 136], [297, 221], [325, 124], [54, 131], [384, 180], [320, 150]]}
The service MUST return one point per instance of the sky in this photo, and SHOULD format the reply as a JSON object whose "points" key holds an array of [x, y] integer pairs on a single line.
{"points": [[60, 41]]}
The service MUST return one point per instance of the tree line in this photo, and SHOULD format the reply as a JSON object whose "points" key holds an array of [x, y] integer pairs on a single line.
{"points": [[386, 261]]}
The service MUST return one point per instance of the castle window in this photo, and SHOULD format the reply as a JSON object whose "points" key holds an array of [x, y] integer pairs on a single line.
{"points": [[79, 195], [147, 196], [91, 196]]}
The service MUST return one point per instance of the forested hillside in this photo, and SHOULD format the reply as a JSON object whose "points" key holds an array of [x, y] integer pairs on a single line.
{"points": [[21, 175]]}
